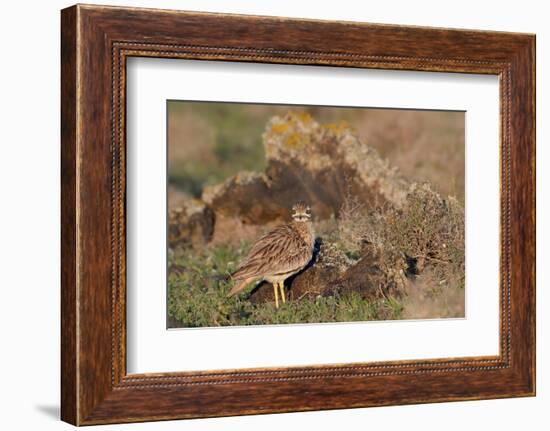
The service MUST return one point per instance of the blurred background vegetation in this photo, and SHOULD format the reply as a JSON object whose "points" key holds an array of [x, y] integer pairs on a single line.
{"points": [[210, 141]]}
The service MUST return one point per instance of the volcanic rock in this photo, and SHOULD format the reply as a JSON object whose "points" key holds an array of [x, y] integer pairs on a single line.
{"points": [[319, 164], [191, 224]]}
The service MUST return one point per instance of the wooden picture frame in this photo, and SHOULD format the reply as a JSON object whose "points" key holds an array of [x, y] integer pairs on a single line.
{"points": [[95, 43]]}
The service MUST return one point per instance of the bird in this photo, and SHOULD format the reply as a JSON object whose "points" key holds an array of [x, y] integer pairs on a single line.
{"points": [[279, 254]]}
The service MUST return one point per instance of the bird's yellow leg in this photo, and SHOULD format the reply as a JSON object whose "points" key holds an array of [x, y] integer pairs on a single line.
{"points": [[282, 288], [276, 295]]}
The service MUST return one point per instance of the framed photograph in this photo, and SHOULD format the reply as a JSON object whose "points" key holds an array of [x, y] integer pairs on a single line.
{"points": [[263, 214]]}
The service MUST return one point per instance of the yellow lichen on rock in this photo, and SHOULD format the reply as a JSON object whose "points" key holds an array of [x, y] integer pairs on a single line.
{"points": [[303, 116], [279, 127], [339, 128], [296, 141], [294, 136]]}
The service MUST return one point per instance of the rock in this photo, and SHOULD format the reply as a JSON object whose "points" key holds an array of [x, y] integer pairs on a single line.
{"points": [[231, 231], [326, 266], [191, 224], [331, 273], [246, 196], [366, 278], [320, 164]]}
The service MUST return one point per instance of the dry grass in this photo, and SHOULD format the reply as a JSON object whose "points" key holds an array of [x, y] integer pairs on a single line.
{"points": [[353, 226], [429, 297]]}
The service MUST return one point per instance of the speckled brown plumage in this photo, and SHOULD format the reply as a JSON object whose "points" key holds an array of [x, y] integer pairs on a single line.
{"points": [[282, 252]]}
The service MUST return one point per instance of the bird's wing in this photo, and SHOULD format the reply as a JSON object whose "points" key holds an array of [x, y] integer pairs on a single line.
{"points": [[278, 252]]}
